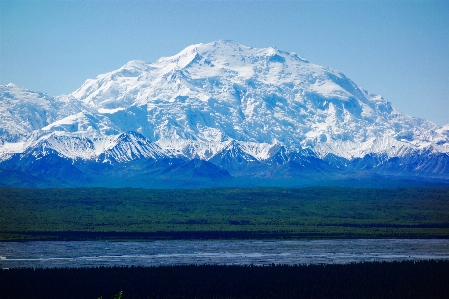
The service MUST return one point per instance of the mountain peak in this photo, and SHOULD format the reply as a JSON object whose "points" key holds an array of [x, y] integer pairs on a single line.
{"points": [[223, 90], [219, 101], [136, 64], [13, 85]]}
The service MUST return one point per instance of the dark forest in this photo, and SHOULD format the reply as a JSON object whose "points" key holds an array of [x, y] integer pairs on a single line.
{"points": [[420, 280]]}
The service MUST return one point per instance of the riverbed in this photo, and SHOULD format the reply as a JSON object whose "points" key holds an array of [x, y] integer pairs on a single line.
{"points": [[50, 254]]}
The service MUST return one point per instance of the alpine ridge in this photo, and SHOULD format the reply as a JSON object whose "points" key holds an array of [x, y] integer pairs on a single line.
{"points": [[211, 115]]}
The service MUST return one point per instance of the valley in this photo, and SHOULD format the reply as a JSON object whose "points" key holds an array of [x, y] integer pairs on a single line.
{"points": [[223, 213]]}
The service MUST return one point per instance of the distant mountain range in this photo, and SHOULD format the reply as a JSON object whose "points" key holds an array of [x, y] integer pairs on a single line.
{"points": [[215, 114]]}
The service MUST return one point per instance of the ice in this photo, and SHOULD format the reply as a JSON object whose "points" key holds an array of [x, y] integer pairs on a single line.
{"points": [[195, 102]]}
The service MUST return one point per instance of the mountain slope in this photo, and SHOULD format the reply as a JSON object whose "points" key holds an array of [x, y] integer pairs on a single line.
{"points": [[256, 113], [222, 91]]}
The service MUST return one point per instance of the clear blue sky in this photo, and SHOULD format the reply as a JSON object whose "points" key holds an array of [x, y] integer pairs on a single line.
{"points": [[398, 49]]}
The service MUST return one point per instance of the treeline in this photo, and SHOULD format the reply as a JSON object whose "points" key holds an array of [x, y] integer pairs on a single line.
{"points": [[314, 212], [408, 279]]}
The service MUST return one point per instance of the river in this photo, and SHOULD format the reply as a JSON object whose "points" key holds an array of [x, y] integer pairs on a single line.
{"points": [[48, 254]]}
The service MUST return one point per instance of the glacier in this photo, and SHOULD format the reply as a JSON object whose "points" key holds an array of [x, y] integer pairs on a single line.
{"points": [[257, 113]]}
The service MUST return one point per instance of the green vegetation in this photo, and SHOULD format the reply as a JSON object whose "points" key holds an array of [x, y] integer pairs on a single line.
{"points": [[117, 296], [314, 212]]}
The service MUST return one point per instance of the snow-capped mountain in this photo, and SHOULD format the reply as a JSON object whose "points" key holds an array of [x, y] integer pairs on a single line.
{"points": [[23, 111], [246, 110]]}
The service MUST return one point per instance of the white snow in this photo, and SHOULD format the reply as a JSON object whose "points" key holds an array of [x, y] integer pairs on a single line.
{"points": [[195, 102], [109, 111]]}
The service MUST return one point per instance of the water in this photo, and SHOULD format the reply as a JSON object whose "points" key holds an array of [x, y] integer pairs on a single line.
{"points": [[93, 254]]}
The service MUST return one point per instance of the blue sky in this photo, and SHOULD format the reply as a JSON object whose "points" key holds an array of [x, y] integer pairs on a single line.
{"points": [[398, 49]]}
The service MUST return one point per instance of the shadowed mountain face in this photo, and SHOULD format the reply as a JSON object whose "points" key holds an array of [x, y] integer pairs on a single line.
{"points": [[214, 112]]}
